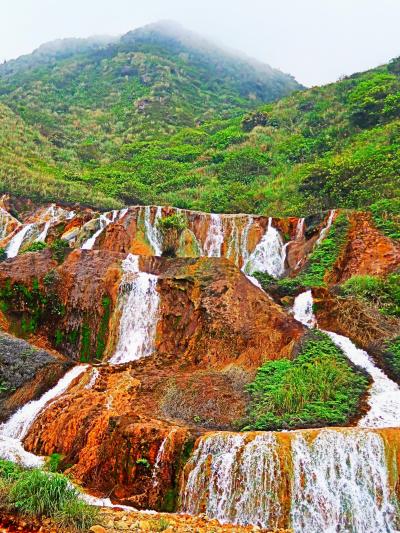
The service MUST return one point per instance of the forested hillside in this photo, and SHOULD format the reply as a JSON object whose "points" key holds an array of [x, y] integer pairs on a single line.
{"points": [[159, 116]]}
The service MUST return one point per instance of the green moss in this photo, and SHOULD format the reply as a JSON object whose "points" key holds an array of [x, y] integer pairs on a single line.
{"points": [[35, 247], [103, 328], [85, 343], [317, 388]]}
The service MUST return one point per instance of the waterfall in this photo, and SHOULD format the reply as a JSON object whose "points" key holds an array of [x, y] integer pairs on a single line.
{"points": [[269, 255], [104, 221], [326, 229], [138, 301], [161, 456], [15, 243], [300, 230], [93, 378], [152, 232], [326, 481], [215, 237], [384, 394], [16, 428], [303, 309], [234, 479], [341, 484]]}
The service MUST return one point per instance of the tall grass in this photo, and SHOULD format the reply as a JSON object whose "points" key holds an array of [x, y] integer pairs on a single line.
{"points": [[37, 493], [318, 388]]}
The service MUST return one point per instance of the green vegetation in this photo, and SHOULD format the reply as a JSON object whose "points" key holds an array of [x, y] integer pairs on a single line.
{"points": [[35, 247], [143, 462], [319, 264], [59, 249], [160, 525], [38, 493], [171, 228], [381, 292], [140, 133], [317, 388], [391, 358]]}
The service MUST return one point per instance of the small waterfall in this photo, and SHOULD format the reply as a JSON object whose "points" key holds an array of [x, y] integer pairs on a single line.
{"points": [[139, 302], [93, 378], [215, 237], [384, 394], [341, 484], [153, 235], [104, 221], [300, 230], [235, 479], [15, 243], [161, 456], [269, 255], [16, 428], [324, 481], [326, 229], [303, 309]]}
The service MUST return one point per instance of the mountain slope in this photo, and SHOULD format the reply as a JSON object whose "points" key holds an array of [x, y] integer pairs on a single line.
{"points": [[91, 96]]}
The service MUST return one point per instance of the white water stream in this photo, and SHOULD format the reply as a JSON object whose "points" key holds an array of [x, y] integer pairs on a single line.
{"points": [[15, 243], [384, 394], [269, 255], [215, 237], [138, 302], [16, 428], [153, 234]]}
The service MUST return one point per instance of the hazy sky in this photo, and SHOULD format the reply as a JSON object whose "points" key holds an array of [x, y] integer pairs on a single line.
{"points": [[315, 40]]}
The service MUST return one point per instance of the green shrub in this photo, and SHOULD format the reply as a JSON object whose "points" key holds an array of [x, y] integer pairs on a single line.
{"points": [[171, 228], [9, 470], [160, 525], [39, 493], [317, 388], [325, 255], [77, 515], [386, 215], [3, 255], [143, 462], [381, 292], [59, 248], [35, 247], [53, 462]]}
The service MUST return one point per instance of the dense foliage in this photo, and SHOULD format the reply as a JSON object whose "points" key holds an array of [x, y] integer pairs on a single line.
{"points": [[154, 118], [39, 493], [318, 388], [381, 292]]}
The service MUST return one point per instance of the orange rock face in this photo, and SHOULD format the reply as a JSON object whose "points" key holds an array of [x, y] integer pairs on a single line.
{"points": [[367, 251]]}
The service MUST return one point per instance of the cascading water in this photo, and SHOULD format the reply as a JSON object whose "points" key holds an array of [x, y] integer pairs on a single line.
{"points": [[328, 481], [153, 234], [300, 229], [16, 428], [215, 237], [161, 456], [15, 243], [384, 394], [104, 221], [138, 302], [326, 229], [341, 484], [269, 255], [234, 479]]}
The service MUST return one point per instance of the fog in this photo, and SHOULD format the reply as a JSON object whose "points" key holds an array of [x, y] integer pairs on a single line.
{"points": [[315, 40]]}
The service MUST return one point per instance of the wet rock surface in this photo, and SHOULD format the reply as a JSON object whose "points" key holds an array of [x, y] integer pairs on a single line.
{"points": [[25, 373]]}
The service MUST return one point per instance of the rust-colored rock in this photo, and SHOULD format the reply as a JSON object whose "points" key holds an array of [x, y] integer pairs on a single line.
{"points": [[367, 251]]}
